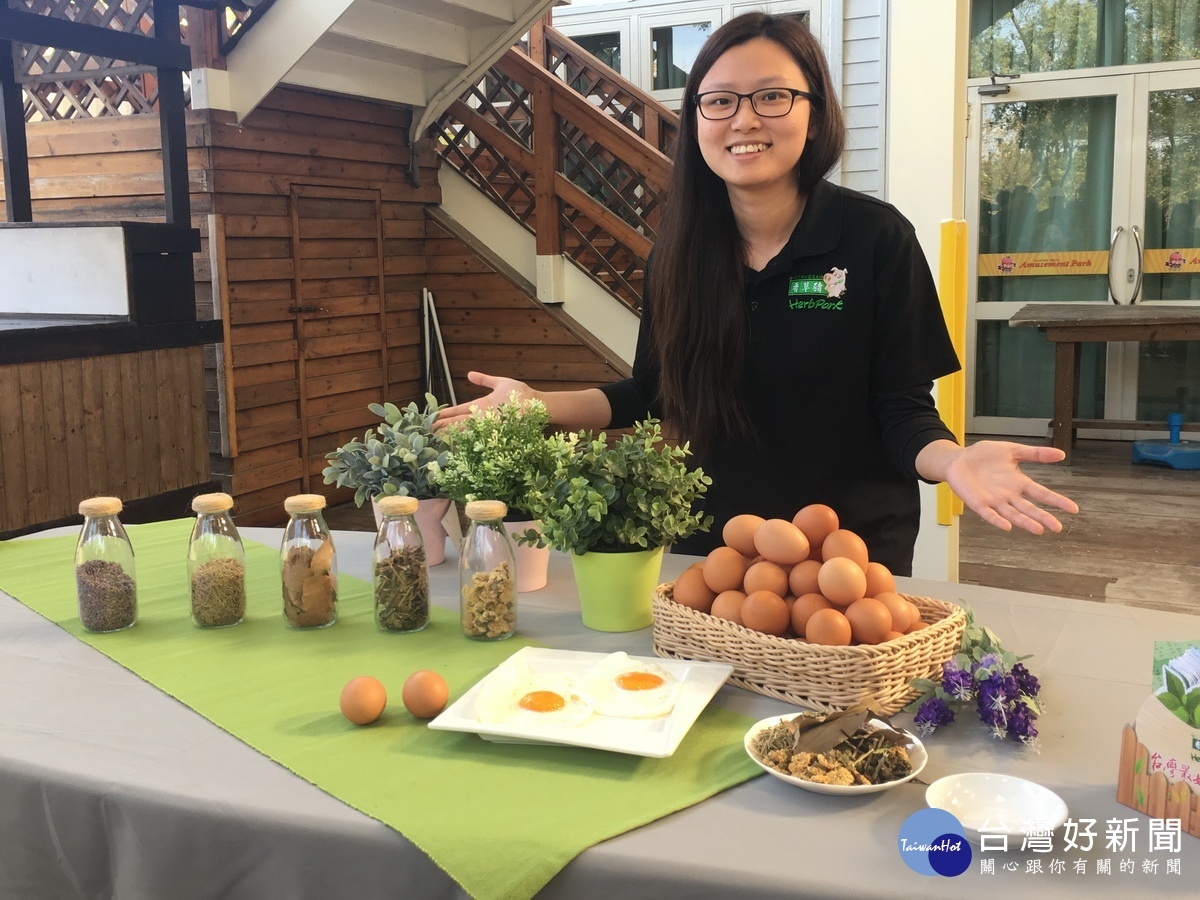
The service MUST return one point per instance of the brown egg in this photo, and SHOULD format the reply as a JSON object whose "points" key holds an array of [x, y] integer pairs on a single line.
{"points": [[879, 579], [898, 607], [766, 576], [766, 612], [892, 635], [781, 542], [914, 613], [728, 605], [817, 521], [425, 694], [738, 533], [363, 699], [845, 544], [828, 626], [803, 609], [692, 591], [724, 569], [869, 620], [803, 577], [842, 581], [917, 626]]}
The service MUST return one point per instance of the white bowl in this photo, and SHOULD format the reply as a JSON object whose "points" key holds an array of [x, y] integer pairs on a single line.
{"points": [[916, 754], [997, 804]]}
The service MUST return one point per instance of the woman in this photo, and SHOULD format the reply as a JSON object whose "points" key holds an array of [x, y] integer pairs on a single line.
{"points": [[791, 329]]}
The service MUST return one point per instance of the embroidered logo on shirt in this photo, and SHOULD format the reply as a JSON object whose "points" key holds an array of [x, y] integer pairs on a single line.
{"points": [[821, 291]]}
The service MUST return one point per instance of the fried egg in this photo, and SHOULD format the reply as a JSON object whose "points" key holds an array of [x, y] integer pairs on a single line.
{"points": [[516, 696], [622, 687]]}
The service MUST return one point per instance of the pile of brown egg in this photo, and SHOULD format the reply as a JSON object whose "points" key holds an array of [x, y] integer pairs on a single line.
{"points": [[808, 579]]}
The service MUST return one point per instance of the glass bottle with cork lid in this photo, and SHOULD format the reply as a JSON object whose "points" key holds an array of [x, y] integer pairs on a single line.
{"points": [[308, 564], [399, 566], [104, 575], [216, 564], [487, 574]]}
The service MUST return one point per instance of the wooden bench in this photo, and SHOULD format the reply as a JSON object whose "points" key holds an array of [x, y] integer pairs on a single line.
{"points": [[1068, 325]]}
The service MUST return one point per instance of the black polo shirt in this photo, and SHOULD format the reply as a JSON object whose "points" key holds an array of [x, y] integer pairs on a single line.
{"points": [[846, 339]]}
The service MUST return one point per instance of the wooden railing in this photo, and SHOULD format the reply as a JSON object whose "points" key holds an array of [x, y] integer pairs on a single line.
{"points": [[584, 171], [609, 92]]}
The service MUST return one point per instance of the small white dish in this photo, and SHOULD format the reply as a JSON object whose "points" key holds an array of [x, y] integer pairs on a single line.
{"points": [[916, 754], [997, 804]]}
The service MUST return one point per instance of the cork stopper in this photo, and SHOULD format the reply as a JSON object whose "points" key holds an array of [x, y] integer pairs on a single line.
{"points": [[397, 506], [212, 503], [486, 510], [304, 503], [100, 506]]}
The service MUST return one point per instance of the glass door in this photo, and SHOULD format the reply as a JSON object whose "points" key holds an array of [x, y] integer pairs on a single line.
{"points": [[1044, 169], [1087, 190], [1165, 375], [1083, 186]]}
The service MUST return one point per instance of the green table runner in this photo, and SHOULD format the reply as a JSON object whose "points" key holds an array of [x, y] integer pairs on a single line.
{"points": [[525, 811]]}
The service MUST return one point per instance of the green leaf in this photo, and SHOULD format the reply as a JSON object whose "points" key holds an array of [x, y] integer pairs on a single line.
{"points": [[1175, 684], [1171, 702]]}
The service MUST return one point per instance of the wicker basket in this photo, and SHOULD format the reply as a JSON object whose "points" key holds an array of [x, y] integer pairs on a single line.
{"points": [[812, 675]]}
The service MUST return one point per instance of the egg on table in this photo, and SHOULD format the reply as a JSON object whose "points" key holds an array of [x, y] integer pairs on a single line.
{"points": [[623, 687], [517, 696]]}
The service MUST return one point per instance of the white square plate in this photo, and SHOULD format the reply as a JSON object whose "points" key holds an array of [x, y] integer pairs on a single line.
{"points": [[698, 683]]}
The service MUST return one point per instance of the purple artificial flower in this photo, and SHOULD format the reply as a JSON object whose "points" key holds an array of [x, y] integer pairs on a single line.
{"points": [[990, 660], [933, 713], [1027, 684], [1021, 725], [957, 683]]}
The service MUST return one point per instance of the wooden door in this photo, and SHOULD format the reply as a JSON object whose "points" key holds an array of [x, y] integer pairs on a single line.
{"points": [[340, 319]]}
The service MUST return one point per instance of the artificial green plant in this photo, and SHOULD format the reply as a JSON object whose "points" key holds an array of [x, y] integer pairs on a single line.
{"points": [[496, 454], [635, 494], [400, 456]]}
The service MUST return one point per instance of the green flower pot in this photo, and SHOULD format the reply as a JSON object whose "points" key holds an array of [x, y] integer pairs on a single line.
{"points": [[615, 589]]}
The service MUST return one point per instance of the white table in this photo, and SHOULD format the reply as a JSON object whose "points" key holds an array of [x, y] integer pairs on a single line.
{"points": [[109, 787]]}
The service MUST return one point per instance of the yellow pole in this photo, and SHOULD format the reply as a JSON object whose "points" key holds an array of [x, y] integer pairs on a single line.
{"points": [[951, 389]]}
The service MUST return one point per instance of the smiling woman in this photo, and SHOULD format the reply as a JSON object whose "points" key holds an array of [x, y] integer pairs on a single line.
{"points": [[791, 329]]}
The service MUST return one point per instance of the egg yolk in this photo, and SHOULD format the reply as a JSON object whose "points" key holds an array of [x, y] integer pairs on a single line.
{"points": [[542, 701], [639, 681]]}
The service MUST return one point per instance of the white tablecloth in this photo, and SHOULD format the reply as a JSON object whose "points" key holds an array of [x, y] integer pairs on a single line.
{"points": [[110, 788]]}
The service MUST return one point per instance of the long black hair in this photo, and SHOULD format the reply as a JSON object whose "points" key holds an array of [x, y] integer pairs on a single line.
{"points": [[697, 289]]}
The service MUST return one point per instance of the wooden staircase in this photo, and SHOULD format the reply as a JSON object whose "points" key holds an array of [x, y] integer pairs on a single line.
{"points": [[570, 150]]}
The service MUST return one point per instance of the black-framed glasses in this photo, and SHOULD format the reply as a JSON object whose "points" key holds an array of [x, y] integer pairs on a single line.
{"points": [[767, 102]]}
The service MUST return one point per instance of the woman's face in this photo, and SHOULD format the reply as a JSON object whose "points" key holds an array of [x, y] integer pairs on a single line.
{"points": [[748, 151]]}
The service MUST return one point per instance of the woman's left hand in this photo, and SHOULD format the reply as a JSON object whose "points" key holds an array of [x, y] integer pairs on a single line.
{"points": [[987, 476]]}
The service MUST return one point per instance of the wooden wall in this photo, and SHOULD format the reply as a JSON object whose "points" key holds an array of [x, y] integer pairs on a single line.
{"points": [[318, 245], [130, 425], [315, 248], [490, 324]]}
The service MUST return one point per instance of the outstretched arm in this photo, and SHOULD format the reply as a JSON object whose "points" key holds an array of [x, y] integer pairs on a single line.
{"points": [[588, 408], [988, 477]]}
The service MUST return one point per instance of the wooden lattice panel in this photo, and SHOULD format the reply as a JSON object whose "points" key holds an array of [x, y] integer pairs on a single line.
{"points": [[610, 93], [66, 84], [602, 256], [611, 181]]}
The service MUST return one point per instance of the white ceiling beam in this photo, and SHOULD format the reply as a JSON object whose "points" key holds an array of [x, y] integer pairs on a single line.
{"points": [[378, 23], [469, 13], [328, 70], [274, 45]]}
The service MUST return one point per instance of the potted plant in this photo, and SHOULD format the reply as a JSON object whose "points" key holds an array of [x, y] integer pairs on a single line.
{"points": [[496, 454], [400, 456], [615, 508]]}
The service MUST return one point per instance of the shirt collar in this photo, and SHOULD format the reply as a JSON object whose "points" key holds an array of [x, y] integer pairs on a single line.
{"points": [[818, 231]]}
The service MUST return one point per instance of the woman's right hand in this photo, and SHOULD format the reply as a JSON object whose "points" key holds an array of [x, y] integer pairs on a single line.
{"points": [[499, 391]]}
